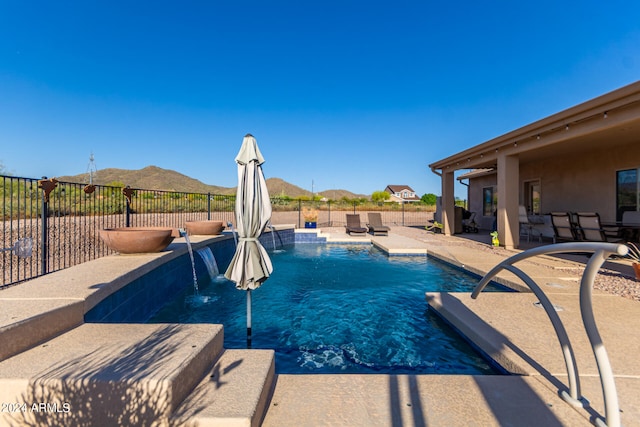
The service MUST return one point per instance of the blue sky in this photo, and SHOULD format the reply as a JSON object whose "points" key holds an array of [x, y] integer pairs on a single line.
{"points": [[341, 94]]}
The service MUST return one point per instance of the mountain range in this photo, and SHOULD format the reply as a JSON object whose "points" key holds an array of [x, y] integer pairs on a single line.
{"points": [[155, 178]]}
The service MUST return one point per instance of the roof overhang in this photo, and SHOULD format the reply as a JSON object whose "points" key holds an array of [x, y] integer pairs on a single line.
{"points": [[476, 173], [612, 119]]}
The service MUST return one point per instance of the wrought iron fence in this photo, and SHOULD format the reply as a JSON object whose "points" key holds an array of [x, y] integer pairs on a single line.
{"points": [[48, 225], [331, 213]]}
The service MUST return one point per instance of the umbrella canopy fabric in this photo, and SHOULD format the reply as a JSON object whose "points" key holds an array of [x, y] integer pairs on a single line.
{"points": [[251, 264]]}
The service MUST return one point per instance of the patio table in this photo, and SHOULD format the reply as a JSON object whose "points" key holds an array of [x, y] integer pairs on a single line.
{"points": [[630, 232]]}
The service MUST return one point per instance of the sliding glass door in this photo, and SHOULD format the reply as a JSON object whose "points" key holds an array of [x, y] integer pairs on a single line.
{"points": [[627, 191]]}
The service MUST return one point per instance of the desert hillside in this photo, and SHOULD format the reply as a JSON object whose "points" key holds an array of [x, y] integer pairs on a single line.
{"points": [[155, 178]]}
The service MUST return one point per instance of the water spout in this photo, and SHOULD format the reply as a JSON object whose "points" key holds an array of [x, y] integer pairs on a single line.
{"points": [[209, 261], [273, 237], [233, 231], [184, 234], [196, 299]]}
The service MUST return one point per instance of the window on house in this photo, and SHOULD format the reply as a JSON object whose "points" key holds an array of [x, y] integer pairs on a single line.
{"points": [[489, 201], [627, 191]]}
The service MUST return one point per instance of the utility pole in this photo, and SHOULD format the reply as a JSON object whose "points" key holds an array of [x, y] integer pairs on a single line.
{"points": [[91, 169]]}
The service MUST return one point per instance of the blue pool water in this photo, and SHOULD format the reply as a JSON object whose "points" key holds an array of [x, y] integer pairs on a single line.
{"points": [[340, 309]]}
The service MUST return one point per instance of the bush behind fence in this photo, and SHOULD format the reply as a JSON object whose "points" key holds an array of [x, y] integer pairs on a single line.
{"points": [[61, 220]]}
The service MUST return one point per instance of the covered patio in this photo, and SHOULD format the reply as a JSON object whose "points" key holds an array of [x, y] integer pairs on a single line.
{"points": [[583, 159]]}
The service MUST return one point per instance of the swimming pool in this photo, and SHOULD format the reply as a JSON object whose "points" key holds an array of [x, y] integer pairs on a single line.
{"points": [[340, 309]]}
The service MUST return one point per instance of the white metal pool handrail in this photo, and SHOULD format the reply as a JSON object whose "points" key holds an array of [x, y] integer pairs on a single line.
{"points": [[601, 251]]}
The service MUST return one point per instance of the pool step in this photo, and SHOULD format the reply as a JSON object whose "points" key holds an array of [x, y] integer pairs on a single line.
{"points": [[235, 392], [26, 322], [108, 374]]}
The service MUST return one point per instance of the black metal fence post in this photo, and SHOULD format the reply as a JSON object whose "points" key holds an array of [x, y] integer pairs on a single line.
{"points": [[329, 205], [208, 206], [127, 214], [45, 233], [403, 202], [299, 211]]}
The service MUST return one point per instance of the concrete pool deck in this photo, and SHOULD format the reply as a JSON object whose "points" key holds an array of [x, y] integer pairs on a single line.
{"points": [[508, 327]]}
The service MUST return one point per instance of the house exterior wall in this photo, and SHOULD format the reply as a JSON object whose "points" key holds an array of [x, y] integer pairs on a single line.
{"points": [[582, 182], [476, 187]]}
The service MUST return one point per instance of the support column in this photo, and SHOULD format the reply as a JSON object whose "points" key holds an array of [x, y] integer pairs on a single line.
{"points": [[448, 201], [508, 185]]}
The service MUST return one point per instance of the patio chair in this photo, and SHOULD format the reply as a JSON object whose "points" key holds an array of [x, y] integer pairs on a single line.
{"points": [[526, 225], [631, 218], [353, 225], [375, 225], [563, 227], [591, 229], [630, 229], [469, 225]]}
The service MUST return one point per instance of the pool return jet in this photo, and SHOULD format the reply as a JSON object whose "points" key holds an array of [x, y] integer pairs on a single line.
{"points": [[251, 265]]}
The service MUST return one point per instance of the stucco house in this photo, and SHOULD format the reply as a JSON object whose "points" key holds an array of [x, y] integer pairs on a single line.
{"points": [[401, 193], [583, 159]]}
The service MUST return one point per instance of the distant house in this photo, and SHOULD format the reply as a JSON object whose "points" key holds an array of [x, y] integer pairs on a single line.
{"points": [[401, 193]]}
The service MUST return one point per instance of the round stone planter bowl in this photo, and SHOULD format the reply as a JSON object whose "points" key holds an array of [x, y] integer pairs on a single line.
{"points": [[138, 240], [195, 228]]}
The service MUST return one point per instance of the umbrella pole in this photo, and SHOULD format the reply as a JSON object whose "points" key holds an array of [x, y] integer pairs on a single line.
{"points": [[248, 318]]}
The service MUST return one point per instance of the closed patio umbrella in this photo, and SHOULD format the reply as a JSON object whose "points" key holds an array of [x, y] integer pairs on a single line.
{"points": [[250, 265]]}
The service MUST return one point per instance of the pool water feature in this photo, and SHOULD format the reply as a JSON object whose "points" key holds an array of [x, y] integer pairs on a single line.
{"points": [[196, 289], [209, 261], [342, 309], [197, 299]]}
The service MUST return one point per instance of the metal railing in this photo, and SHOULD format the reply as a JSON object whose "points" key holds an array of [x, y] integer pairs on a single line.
{"points": [[48, 225], [600, 251]]}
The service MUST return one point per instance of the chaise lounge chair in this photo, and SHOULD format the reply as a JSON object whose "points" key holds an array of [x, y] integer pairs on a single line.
{"points": [[353, 225], [592, 230], [563, 227], [375, 225]]}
